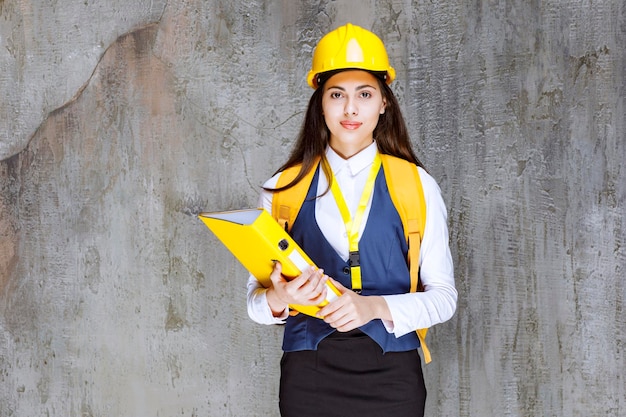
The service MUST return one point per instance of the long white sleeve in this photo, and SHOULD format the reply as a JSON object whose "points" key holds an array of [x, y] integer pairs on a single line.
{"points": [[438, 301]]}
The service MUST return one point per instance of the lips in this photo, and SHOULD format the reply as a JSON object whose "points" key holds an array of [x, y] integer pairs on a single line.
{"points": [[350, 125]]}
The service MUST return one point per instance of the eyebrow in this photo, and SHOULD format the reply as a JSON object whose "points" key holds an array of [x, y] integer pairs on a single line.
{"points": [[358, 88]]}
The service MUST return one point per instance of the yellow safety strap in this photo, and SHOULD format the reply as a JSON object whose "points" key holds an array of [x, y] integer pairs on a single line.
{"points": [[286, 204], [411, 206], [353, 224]]}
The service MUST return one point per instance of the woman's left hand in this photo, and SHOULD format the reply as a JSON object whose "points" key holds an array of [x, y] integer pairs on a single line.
{"points": [[352, 310]]}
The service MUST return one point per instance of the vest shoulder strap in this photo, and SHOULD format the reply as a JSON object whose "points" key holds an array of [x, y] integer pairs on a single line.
{"points": [[407, 194], [286, 204], [405, 189]]}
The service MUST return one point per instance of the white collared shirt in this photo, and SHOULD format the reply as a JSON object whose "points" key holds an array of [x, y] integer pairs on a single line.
{"points": [[409, 311]]}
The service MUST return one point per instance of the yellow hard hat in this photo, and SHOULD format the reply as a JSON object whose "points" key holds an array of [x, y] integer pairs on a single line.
{"points": [[348, 47]]}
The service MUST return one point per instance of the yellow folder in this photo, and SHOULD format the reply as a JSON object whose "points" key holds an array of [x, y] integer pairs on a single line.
{"points": [[257, 241]]}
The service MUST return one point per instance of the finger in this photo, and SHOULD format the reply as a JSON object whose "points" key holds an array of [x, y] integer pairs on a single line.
{"points": [[314, 285], [351, 325], [304, 277], [275, 276], [318, 282], [329, 309], [343, 318], [320, 296], [338, 321]]}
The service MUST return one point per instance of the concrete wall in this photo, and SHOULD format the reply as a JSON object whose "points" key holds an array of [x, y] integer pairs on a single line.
{"points": [[120, 121]]}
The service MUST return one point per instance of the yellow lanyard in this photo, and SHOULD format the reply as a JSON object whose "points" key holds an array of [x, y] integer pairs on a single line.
{"points": [[353, 224]]}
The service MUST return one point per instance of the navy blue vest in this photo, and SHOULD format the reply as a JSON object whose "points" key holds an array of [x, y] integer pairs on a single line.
{"points": [[384, 269]]}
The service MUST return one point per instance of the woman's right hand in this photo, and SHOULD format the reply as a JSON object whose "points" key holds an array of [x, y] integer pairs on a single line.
{"points": [[309, 288]]}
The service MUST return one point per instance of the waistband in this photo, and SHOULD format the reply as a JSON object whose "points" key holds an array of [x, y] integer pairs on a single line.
{"points": [[352, 334]]}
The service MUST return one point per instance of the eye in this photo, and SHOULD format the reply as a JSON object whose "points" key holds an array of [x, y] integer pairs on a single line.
{"points": [[335, 94], [366, 94]]}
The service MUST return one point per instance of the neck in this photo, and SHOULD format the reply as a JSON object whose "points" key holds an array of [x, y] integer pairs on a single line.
{"points": [[347, 150]]}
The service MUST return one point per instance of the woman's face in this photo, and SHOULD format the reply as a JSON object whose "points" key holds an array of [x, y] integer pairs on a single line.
{"points": [[352, 103]]}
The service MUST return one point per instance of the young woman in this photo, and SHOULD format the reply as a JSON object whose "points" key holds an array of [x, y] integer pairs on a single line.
{"points": [[359, 357]]}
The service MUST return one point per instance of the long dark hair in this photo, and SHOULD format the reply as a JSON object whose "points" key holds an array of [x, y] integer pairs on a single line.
{"points": [[391, 135]]}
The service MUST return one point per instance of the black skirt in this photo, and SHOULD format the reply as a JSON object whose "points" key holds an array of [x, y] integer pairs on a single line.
{"points": [[350, 376]]}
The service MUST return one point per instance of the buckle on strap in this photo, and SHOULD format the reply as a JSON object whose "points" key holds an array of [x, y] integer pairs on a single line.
{"points": [[354, 259]]}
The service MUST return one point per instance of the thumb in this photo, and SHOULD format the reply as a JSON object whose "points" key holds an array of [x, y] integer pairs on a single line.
{"points": [[276, 275]]}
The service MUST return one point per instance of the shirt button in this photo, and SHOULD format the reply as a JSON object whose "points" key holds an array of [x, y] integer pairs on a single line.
{"points": [[346, 270]]}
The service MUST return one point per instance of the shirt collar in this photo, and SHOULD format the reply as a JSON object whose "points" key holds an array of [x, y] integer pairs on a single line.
{"points": [[356, 163]]}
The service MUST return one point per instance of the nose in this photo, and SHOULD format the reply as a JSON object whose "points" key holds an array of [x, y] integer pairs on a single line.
{"points": [[350, 109]]}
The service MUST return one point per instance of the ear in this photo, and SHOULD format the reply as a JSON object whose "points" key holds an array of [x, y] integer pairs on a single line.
{"points": [[383, 106]]}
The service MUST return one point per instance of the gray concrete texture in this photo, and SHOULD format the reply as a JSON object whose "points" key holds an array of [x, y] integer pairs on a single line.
{"points": [[120, 121]]}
